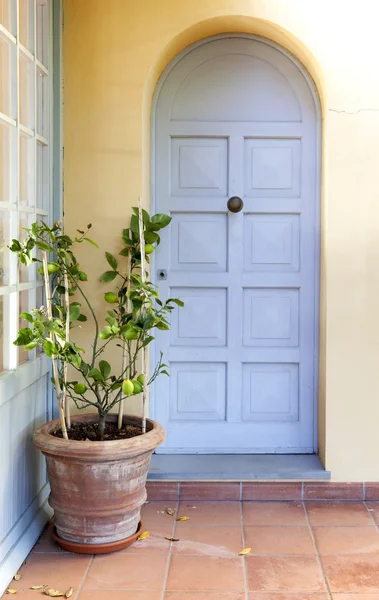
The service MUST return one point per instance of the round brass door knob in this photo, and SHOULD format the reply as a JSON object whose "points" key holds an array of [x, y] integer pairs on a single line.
{"points": [[235, 204]]}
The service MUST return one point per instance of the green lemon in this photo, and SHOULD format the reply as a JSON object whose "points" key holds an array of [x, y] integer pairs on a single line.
{"points": [[131, 334], [149, 249], [104, 335], [141, 379], [127, 387], [111, 297], [51, 268], [137, 386], [83, 276], [80, 388]]}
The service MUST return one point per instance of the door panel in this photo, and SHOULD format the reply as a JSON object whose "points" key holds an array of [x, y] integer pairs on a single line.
{"points": [[242, 351]]}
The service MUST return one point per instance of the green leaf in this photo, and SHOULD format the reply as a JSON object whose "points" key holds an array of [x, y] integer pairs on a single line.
{"points": [[160, 219], [45, 247], [15, 246], [76, 360], [24, 336], [31, 346], [151, 237], [124, 252], [87, 239], [166, 373], [116, 385], [82, 318], [108, 276], [95, 374], [49, 348], [147, 341], [111, 260], [134, 225], [26, 316], [175, 301], [74, 311], [105, 368], [162, 326]]}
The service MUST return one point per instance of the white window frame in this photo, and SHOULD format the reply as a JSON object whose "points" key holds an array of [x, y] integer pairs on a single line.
{"points": [[17, 376]]}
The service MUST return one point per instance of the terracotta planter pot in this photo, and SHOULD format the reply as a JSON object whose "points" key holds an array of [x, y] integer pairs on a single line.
{"points": [[97, 488]]}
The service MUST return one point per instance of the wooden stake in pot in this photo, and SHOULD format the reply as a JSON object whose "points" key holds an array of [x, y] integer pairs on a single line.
{"points": [[54, 360], [65, 401], [143, 278], [124, 350]]}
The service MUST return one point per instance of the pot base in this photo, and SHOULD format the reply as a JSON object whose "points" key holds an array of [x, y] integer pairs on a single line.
{"points": [[96, 548]]}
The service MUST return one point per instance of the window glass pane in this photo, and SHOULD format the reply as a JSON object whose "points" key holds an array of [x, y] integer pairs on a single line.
{"points": [[26, 24], [23, 307], [7, 14], [5, 237], [43, 32], [42, 104], [5, 162], [26, 92], [26, 184], [42, 176], [7, 50]]}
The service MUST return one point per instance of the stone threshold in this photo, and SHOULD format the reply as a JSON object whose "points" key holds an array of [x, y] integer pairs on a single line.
{"points": [[236, 467]]}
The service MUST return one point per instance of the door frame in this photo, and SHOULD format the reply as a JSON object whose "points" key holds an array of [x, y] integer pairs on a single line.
{"points": [[318, 151]]}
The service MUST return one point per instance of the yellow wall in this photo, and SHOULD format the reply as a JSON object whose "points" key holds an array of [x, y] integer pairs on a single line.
{"points": [[114, 52]]}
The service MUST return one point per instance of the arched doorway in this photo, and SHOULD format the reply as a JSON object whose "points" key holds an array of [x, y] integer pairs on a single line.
{"points": [[236, 116]]}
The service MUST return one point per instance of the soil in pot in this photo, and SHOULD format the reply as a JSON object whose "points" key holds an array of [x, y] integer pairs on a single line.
{"points": [[84, 432]]}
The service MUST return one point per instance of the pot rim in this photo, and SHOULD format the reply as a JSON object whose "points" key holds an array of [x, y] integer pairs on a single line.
{"points": [[98, 451]]}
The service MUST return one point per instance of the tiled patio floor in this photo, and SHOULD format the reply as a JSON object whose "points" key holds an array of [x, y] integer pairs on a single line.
{"points": [[299, 551]]}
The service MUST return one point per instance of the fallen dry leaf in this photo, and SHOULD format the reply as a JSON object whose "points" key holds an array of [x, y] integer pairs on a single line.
{"points": [[245, 551], [170, 511], [38, 587], [69, 592], [53, 593], [171, 539], [17, 577], [143, 536], [9, 591], [184, 518]]}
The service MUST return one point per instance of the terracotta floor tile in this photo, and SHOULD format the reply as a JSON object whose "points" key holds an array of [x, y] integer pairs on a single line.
{"points": [[347, 540], [355, 596], [207, 541], [121, 571], [32, 595], [46, 544], [155, 544], [191, 573], [373, 508], [59, 571], [338, 513], [286, 596], [284, 574], [352, 573], [154, 513], [205, 596], [273, 513], [279, 540], [117, 595], [211, 513]]}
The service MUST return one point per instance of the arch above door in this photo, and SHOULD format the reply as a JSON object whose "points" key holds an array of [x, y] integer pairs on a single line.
{"points": [[237, 116]]}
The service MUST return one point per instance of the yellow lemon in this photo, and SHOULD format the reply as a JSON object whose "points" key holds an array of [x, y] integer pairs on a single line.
{"points": [[127, 387]]}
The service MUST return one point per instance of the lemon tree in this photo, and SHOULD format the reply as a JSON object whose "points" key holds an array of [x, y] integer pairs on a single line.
{"points": [[133, 311]]}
